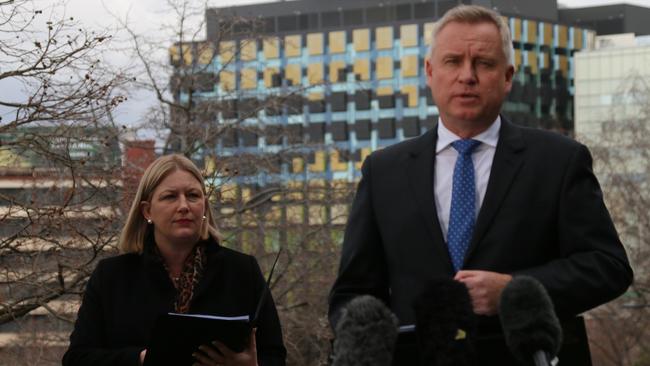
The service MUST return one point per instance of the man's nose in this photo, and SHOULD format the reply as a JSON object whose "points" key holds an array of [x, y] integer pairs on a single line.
{"points": [[467, 73]]}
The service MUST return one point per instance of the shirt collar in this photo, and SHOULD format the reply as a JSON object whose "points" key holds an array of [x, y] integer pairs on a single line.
{"points": [[488, 137]]}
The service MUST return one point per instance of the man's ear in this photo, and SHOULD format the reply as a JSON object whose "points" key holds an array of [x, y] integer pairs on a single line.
{"points": [[145, 209], [510, 72]]}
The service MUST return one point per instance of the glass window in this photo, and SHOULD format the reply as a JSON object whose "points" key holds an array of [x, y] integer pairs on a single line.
{"points": [[411, 91], [361, 39], [227, 80], [315, 43], [384, 37], [362, 68], [248, 49], [337, 42], [548, 34], [292, 45], [563, 35], [271, 47], [227, 52], [409, 35], [384, 67], [249, 78], [335, 66], [410, 66], [315, 73], [293, 73]]}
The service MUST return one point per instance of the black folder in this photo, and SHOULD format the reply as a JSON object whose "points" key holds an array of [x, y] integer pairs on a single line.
{"points": [[176, 336]]}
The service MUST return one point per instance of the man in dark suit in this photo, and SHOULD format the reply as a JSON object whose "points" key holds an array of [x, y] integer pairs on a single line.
{"points": [[481, 200]]}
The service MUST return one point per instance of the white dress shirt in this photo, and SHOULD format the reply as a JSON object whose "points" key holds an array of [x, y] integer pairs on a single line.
{"points": [[446, 156]]}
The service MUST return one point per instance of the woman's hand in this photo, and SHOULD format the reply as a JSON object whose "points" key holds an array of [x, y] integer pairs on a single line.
{"points": [[209, 356], [143, 353]]}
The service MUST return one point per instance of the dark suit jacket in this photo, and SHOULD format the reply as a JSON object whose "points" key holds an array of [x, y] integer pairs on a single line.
{"points": [[543, 215], [126, 294]]}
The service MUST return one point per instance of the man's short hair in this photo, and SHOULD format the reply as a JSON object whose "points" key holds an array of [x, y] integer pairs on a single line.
{"points": [[473, 14]]}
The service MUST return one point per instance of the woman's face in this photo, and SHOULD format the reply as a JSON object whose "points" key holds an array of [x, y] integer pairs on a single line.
{"points": [[176, 209]]}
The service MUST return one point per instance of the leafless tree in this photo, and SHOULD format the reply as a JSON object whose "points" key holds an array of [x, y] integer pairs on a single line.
{"points": [[621, 151], [58, 156]]}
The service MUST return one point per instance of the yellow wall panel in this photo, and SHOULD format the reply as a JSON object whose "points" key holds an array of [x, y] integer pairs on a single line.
{"points": [[337, 42], [317, 214], [296, 188], [268, 76], [315, 43], [335, 164], [428, 32], [293, 72], [319, 162], [315, 73], [548, 34], [296, 214], [317, 189], [228, 192], [362, 68], [410, 66], [385, 90], [315, 96], [577, 38], [271, 46], [249, 78], [364, 154], [384, 37], [248, 49], [335, 66], [532, 31], [408, 34], [516, 32], [205, 53], [227, 52], [227, 80], [563, 35], [384, 67], [361, 39], [412, 93], [297, 164], [293, 45]]}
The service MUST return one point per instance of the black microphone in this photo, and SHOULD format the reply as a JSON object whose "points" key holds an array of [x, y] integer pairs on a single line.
{"points": [[530, 326], [365, 334], [445, 324]]}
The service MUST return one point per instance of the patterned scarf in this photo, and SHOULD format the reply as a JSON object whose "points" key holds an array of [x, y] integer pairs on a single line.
{"points": [[190, 276]]}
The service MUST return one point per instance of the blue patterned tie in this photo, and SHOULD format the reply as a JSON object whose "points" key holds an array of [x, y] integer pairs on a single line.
{"points": [[463, 201]]}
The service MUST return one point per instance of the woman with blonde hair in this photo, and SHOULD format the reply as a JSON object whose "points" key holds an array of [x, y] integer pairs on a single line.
{"points": [[171, 262]]}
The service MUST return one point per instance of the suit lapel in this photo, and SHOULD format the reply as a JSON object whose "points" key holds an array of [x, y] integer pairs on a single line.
{"points": [[508, 158], [420, 177]]}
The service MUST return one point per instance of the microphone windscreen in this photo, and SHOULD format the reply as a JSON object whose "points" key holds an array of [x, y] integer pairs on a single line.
{"points": [[445, 324], [365, 334], [528, 319]]}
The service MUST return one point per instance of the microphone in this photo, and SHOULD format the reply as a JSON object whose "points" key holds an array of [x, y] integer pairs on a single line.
{"points": [[445, 324], [365, 334], [530, 326]]}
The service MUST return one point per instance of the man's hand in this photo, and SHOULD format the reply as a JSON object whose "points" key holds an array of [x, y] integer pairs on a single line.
{"points": [[209, 356], [484, 289]]}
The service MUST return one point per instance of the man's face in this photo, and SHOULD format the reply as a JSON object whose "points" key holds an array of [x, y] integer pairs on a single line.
{"points": [[469, 75]]}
